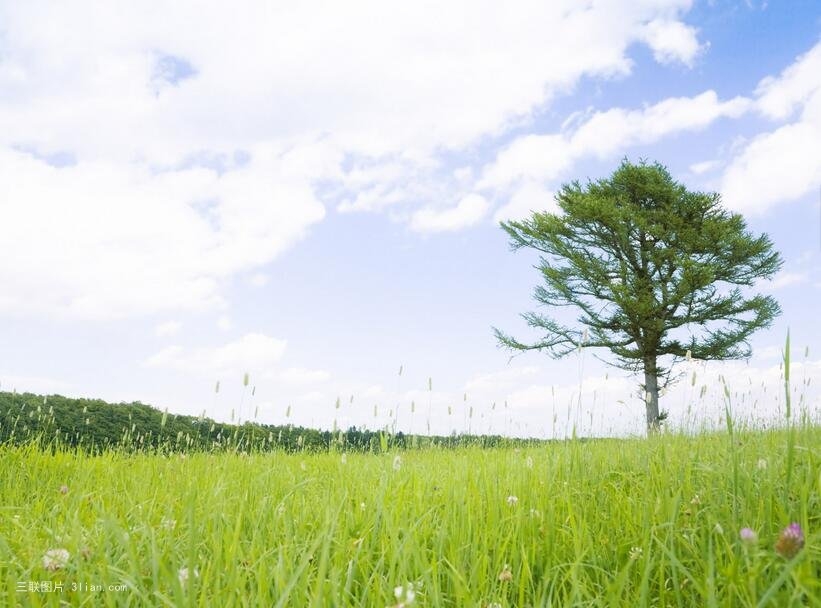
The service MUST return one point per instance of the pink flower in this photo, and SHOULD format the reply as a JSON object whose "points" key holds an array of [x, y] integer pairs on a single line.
{"points": [[790, 541], [748, 536]]}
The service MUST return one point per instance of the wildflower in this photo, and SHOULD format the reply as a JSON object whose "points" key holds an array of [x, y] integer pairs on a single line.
{"points": [[790, 541], [529, 462], [344, 458], [718, 529], [512, 500], [506, 575], [748, 536], [635, 553], [397, 462], [168, 524], [695, 500], [54, 559], [404, 595], [762, 464], [363, 506], [535, 513], [63, 489], [183, 574]]}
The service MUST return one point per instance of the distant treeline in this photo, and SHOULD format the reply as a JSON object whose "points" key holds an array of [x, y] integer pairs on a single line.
{"points": [[94, 425]]}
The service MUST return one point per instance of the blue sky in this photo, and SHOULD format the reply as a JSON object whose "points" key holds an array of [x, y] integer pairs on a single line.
{"points": [[312, 195]]}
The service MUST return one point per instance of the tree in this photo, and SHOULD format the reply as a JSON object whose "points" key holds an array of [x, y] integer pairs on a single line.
{"points": [[655, 270]]}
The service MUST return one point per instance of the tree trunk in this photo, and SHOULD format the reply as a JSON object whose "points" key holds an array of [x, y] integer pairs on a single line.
{"points": [[651, 394]]}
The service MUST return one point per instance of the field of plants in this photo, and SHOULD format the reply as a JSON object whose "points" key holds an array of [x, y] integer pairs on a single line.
{"points": [[721, 519]]}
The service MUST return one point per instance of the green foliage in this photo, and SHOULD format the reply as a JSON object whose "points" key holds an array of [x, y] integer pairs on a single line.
{"points": [[654, 269], [94, 425]]}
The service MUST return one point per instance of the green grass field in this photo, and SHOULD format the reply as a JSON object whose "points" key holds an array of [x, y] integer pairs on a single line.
{"points": [[639, 522]]}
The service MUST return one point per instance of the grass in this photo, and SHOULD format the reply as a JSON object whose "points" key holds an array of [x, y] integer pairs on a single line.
{"points": [[582, 523]]}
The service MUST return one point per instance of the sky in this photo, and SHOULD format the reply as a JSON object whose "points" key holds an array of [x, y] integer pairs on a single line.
{"points": [[310, 193]]}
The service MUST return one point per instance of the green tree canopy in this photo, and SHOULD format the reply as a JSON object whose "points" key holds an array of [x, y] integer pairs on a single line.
{"points": [[654, 270]]}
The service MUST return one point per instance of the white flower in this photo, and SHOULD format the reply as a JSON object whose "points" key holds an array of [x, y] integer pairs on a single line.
{"points": [[344, 458], [762, 464], [404, 595], [529, 462], [184, 574], [168, 524], [54, 559], [512, 500], [397, 462], [636, 553]]}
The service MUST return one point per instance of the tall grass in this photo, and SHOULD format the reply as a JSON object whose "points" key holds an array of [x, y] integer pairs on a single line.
{"points": [[597, 523]]}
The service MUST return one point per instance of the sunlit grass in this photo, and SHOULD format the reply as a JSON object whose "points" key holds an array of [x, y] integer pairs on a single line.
{"points": [[596, 523]]}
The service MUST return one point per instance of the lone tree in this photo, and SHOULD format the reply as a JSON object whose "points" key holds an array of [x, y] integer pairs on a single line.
{"points": [[654, 269]]}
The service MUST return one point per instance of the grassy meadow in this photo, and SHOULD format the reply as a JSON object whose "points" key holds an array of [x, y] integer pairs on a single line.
{"points": [[655, 522]]}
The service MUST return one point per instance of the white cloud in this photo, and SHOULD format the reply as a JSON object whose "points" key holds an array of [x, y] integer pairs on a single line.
{"points": [[672, 41], [150, 169], [502, 379], [467, 212], [784, 279], [784, 164], [530, 196], [608, 133], [169, 328], [604, 135], [704, 166], [529, 157], [225, 323], [778, 97], [251, 353], [776, 167], [116, 240], [302, 376]]}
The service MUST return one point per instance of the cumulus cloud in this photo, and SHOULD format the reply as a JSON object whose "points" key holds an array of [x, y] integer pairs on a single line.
{"points": [[779, 96], [607, 133], [151, 165], [785, 279], [526, 165], [672, 41], [114, 240], [784, 164], [301, 376], [467, 212], [528, 197], [251, 353], [704, 166]]}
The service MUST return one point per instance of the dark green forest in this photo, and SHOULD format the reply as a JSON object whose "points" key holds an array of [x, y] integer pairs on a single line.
{"points": [[94, 425]]}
